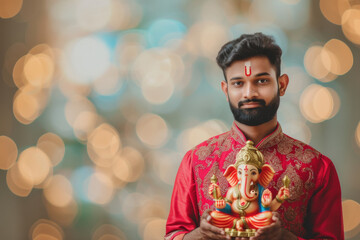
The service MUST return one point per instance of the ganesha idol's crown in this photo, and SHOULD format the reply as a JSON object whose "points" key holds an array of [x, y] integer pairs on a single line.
{"points": [[249, 155]]}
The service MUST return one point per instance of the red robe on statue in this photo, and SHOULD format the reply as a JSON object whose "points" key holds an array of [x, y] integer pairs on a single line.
{"points": [[313, 210]]}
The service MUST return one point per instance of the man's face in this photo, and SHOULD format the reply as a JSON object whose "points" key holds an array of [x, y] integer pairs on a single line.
{"points": [[252, 90]]}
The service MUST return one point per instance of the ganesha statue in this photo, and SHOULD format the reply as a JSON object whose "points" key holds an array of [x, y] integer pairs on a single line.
{"points": [[248, 205]]}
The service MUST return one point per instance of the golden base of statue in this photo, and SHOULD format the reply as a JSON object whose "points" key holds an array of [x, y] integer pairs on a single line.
{"points": [[232, 232]]}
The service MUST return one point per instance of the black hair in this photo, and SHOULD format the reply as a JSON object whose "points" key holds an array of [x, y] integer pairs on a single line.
{"points": [[247, 46]]}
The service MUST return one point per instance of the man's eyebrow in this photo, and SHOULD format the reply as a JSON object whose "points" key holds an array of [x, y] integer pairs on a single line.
{"points": [[236, 78], [262, 74]]}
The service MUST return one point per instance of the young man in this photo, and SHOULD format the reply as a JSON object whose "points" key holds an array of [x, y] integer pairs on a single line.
{"points": [[253, 86]]}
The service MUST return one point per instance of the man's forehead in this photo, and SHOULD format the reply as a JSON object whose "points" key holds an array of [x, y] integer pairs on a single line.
{"points": [[251, 66]]}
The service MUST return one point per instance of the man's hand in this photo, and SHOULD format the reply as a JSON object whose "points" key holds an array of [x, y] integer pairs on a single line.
{"points": [[206, 231], [274, 231]]}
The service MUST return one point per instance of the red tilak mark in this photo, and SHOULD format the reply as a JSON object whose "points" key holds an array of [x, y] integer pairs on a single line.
{"points": [[247, 71], [246, 169], [243, 203]]}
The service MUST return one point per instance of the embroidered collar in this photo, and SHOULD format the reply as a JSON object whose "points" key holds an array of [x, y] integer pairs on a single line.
{"points": [[268, 141]]}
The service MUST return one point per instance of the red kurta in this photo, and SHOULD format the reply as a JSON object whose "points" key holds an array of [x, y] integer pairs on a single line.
{"points": [[312, 212]]}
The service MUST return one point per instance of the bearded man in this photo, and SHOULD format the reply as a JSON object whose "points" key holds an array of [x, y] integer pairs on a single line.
{"points": [[253, 86]]}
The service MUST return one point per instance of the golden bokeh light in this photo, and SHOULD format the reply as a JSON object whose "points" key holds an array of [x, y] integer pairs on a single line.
{"points": [[125, 14], [350, 23], [8, 152], [129, 165], [43, 228], [318, 103], [334, 9], [157, 92], [53, 146], [351, 214], [109, 83], [314, 64], [39, 70], [93, 15], [84, 123], [64, 216], [337, 57], [58, 191], [73, 90], [10, 8], [18, 72], [154, 229], [75, 106], [34, 165], [17, 184], [100, 188], [108, 232], [103, 143], [357, 134], [193, 136], [152, 130]]}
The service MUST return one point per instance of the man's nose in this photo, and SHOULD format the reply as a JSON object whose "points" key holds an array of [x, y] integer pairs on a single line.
{"points": [[250, 91]]}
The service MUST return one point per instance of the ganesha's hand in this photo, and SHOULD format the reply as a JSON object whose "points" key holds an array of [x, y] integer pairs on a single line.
{"points": [[217, 191], [266, 198], [283, 194], [220, 204]]}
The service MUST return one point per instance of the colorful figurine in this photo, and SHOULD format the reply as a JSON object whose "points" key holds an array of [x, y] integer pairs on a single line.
{"points": [[248, 205]]}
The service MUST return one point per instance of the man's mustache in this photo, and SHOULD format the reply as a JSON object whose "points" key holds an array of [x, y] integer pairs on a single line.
{"points": [[261, 101]]}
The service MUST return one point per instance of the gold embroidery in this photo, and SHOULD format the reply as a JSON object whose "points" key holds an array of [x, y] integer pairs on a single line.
{"points": [[272, 158]]}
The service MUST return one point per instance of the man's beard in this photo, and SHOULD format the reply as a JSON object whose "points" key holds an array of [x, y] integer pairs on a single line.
{"points": [[255, 116]]}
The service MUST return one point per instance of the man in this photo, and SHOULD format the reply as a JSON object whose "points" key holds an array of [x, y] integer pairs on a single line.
{"points": [[253, 86]]}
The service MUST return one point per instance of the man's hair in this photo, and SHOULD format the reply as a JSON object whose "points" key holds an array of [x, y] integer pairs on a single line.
{"points": [[247, 46]]}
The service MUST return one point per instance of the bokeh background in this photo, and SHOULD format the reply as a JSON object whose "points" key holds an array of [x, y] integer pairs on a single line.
{"points": [[100, 99]]}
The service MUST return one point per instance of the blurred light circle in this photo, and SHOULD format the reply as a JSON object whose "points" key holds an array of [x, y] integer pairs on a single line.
{"points": [[350, 23], [34, 165], [351, 214], [314, 64], [26, 107], [100, 188], [125, 14], [62, 215], [8, 152], [337, 57], [162, 31], [39, 70], [212, 37], [109, 83], [18, 72], [298, 130], [93, 15], [17, 184], [86, 59], [165, 165], [129, 165], [157, 66], [58, 191], [10, 8], [194, 136], [103, 142], [152, 130], [84, 123], [357, 134], [157, 92], [43, 228], [75, 106], [53, 146], [154, 229], [334, 9], [318, 103], [108, 232]]}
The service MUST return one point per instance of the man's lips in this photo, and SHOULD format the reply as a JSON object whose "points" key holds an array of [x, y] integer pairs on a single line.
{"points": [[253, 103]]}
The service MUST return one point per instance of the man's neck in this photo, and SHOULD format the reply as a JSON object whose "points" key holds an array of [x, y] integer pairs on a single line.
{"points": [[257, 133]]}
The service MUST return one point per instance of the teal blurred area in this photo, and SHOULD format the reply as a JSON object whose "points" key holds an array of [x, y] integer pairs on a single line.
{"points": [[100, 99]]}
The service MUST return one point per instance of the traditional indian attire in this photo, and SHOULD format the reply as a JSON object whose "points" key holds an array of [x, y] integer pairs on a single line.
{"points": [[313, 210]]}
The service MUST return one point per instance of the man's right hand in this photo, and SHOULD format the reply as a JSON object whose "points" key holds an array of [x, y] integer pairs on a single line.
{"points": [[206, 231]]}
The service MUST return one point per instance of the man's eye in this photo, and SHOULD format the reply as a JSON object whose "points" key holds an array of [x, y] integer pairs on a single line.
{"points": [[238, 83], [262, 81]]}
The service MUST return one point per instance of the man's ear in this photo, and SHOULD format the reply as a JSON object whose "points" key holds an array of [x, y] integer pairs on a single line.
{"points": [[283, 83], [224, 87]]}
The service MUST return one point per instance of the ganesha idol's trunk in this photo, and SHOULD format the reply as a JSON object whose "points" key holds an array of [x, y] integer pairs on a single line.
{"points": [[246, 193]]}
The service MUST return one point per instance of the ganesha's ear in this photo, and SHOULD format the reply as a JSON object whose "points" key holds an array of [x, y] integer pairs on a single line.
{"points": [[231, 175], [266, 175]]}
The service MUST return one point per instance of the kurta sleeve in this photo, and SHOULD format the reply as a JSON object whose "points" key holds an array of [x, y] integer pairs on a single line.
{"points": [[184, 213], [324, 215]]}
